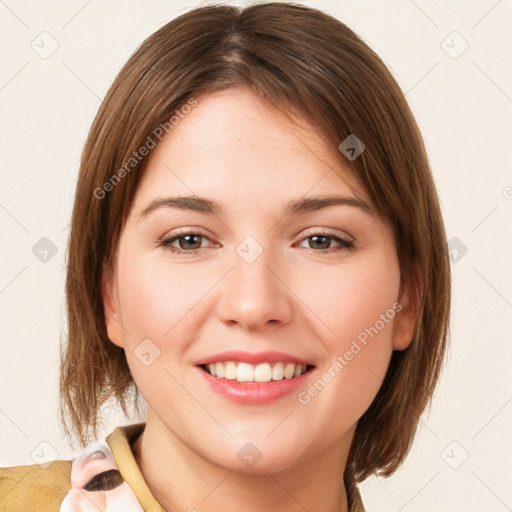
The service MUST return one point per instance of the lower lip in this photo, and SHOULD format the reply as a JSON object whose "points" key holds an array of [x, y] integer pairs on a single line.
{"points": [[254, 393]]}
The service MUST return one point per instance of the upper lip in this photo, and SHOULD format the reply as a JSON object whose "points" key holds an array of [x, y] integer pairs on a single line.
{"points": [[268, 356]]}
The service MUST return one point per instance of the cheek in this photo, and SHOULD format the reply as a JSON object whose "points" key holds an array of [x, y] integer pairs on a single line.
{"points": [[348, 300], [358, 318], [160, 306], [154, 298]]}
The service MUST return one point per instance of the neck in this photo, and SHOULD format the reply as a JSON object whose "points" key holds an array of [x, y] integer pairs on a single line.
{"points": [[181, 480]]}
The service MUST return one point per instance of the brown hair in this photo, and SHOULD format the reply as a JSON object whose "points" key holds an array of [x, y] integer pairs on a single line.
{"points": [[304, 63]]}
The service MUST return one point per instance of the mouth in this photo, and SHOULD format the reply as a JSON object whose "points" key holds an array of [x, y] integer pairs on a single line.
{"points": [[254, 379], [261, 373]]}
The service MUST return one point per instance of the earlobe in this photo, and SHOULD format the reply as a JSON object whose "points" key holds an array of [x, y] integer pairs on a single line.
{"points": [[111, 307], [406, 316]]}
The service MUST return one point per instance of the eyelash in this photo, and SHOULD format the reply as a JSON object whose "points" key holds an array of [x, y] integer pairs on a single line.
{"points": [[166, 242]]}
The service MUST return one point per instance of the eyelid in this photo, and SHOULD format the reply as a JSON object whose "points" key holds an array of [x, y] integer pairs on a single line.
{"points": [[328, 232], [188, 230], [181, 232]]}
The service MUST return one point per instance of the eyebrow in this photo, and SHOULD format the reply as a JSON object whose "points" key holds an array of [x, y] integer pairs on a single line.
{"points": [[293, 207]]}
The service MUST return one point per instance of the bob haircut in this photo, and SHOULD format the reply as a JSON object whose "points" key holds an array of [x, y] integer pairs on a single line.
{"points": [[309, 66]]}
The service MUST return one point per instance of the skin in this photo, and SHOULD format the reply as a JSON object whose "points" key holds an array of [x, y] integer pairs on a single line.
{"points": [[93, 462], [295, 297]]}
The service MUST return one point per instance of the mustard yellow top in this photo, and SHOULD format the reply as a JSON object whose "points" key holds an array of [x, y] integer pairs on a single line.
{"points": [[105, 476]]}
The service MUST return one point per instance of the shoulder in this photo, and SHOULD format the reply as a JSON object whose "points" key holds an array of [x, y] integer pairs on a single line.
{"points": [[34, 487]]}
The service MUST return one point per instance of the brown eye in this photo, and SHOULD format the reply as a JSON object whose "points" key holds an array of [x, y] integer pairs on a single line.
{"points": [[188, 242], [322, 241], [105, 481]]}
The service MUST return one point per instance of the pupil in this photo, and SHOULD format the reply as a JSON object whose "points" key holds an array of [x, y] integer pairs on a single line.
{"points": [[316, 237], [187, 242]]}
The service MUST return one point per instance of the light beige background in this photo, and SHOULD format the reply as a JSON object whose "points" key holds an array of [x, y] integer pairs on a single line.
{"points": [[464, 108]]}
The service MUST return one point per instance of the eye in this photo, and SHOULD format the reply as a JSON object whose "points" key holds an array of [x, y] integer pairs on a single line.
{"points": [[322, 241], [105, 481], [189, 242]]}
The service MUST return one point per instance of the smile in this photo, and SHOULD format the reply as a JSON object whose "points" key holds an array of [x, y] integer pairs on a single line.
{"points": [[263, 372], [254, 378]]}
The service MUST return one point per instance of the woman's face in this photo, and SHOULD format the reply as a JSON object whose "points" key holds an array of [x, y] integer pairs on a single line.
{"points": [[261, 290]]}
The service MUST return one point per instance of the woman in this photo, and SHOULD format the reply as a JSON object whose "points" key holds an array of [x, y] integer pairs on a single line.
{"points": [[288, 352]]}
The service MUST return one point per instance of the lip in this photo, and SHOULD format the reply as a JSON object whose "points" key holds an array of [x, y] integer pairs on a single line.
{"points": [[254, 393], [240, 356]]}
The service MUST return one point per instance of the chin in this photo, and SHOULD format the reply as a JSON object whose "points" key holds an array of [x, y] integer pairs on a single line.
{"points": [[260, 456]]}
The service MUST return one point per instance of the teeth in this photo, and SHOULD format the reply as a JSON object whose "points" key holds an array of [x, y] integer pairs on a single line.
{"points": [[278, 371], [264, 372], [230, 370], [289, 370], [245, 372], [219, 370]]}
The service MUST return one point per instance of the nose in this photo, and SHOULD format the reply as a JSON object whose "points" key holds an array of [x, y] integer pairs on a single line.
{"points": [[255, 293]]}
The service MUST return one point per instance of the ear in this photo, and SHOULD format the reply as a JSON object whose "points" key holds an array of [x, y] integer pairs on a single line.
{"points": [[406, 316], [111, 307]]}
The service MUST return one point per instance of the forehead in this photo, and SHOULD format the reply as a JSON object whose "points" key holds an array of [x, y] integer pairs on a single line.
{"points": [[232, 144]]}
